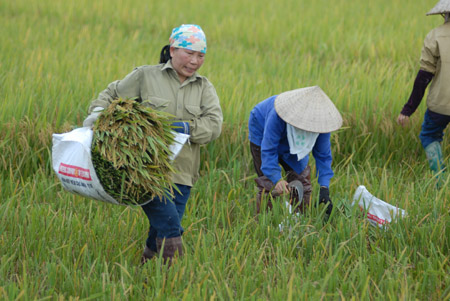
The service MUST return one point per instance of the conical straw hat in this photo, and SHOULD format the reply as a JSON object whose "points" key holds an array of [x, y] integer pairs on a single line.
{"points": [[442, 7], [308, 109]]}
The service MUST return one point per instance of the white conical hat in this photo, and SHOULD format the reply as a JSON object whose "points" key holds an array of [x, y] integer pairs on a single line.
{"points": [[442, 7], [308, 109]]}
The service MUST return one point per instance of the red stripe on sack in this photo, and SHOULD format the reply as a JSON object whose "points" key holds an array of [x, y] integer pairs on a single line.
{"points": [[375, 218], [75, 171]]}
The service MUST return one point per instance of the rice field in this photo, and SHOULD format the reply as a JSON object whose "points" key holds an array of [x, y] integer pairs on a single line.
{"points": [[56, 56]]}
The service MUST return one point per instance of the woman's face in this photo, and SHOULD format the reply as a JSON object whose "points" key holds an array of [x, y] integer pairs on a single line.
{"points": [[186, 61]]}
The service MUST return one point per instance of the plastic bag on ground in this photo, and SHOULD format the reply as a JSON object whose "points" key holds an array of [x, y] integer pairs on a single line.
{"points": [[379, 213]]}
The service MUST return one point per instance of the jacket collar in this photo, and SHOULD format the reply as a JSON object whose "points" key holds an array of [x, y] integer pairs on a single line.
{"points": [[168, 66]]}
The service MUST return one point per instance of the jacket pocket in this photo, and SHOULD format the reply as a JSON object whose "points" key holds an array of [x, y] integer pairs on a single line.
{"points": [[156, 102], [194, 111]]}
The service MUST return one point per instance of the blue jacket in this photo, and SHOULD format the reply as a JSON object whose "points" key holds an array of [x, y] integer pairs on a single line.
{"points": [[268, 130]]}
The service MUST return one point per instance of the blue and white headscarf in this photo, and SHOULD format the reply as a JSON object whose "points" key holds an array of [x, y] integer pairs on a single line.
{"points": [[188, 36]]}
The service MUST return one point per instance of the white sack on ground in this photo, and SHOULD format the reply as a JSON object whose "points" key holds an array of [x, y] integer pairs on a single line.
{"points": [[379, 212]]}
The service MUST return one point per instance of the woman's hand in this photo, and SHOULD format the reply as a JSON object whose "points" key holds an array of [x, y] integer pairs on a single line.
{"points": [[402, 119], [282, 187]]}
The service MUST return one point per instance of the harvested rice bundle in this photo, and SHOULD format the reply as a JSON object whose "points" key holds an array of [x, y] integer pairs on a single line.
{"points": [[130, 151]]}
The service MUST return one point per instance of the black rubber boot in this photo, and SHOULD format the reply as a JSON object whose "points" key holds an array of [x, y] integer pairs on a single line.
{"points": [[170, 247], [147, 255], [264, 188]]}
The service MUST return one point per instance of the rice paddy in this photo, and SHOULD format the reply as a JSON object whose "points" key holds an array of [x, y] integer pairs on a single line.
{"points": [[55, 57]]}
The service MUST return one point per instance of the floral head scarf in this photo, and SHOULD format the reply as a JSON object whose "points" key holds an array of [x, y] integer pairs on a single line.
{"points": [[188, 36]]}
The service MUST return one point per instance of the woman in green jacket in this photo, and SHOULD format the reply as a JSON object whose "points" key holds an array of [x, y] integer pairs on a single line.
{"points": [[173, 86]]}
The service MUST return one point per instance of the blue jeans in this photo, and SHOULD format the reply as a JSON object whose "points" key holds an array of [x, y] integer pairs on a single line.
{"points": [[165, 216], [433, 127]]}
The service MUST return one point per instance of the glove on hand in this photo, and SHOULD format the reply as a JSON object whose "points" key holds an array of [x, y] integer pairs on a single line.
{"points": [[181, 127], [324, 197], [89, 121]]}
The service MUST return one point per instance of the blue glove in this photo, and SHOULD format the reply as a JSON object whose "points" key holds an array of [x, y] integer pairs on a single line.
{"points": [[181, 127]]}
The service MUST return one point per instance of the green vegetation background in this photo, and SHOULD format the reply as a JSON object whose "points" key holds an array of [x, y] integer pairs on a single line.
{"points": [[56, 56]]}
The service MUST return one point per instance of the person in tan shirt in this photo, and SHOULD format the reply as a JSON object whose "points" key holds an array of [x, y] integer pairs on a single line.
{"points": [[173, 86], [434, 69]]}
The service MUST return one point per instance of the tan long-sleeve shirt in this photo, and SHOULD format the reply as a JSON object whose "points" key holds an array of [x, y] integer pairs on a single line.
{"points": [[435, 58], [195, 101]]}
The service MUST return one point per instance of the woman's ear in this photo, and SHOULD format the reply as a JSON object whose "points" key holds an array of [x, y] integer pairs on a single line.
{"points": [[172, 50]]}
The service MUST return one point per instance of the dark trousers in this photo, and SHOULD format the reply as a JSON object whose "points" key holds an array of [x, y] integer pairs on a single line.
{"points": [[433, 127], [264, 183], [165, 215]]}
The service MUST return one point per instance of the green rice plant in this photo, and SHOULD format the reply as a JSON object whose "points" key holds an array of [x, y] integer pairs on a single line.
{"points": [[130, 151]]}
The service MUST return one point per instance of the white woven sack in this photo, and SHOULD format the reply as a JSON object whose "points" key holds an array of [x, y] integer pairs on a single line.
{"points": [[71, 160], [379, 213], [72, 163]]}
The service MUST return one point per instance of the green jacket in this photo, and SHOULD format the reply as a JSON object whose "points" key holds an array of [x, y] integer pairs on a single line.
{"points": [[435, 58], [195, 101]]}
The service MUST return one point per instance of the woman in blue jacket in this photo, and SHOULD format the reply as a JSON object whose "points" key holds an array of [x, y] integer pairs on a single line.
{"points": [[283, 130]]}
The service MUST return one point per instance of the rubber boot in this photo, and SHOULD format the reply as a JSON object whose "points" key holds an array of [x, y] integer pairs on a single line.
{"points": [[170, 247], [147, 255], [305, 179], [264, 187], [434, 156]]}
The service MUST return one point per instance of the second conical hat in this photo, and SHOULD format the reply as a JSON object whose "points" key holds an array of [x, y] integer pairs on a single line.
{"points": [[442, 7], [309, 109]]}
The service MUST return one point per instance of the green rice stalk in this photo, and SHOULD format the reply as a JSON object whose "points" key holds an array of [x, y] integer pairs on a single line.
{"points": [[130, 151]]}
